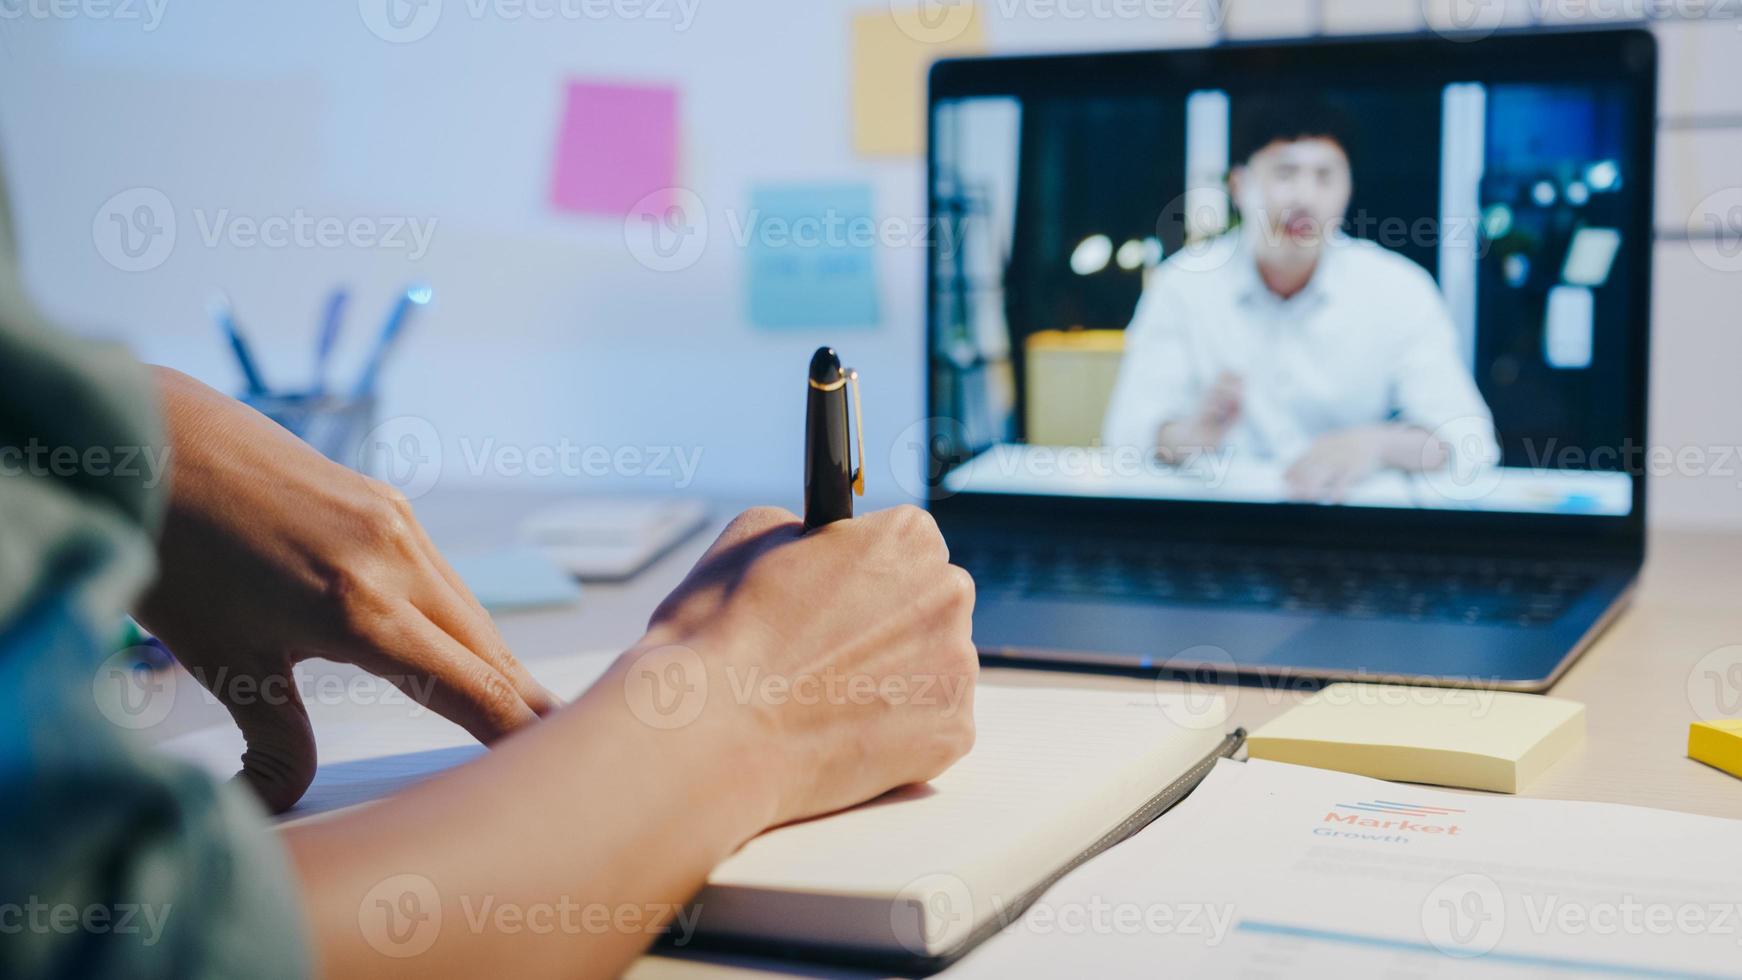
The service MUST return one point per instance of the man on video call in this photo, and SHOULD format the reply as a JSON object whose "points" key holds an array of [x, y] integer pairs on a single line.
{"points": [[1287, 341]]}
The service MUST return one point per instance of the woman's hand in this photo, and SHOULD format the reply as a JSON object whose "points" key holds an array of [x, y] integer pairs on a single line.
{"points": [[849, 650], [788, 675], [272, 554]]}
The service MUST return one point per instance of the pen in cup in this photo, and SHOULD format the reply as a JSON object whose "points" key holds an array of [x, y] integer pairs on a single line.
{"points": [[830, 480], [413, 297], [225, 317]]}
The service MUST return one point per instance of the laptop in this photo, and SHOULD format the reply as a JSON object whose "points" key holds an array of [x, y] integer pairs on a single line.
{"points": [[1317, 360]]}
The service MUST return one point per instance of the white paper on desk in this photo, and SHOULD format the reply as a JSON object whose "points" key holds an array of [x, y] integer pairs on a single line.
{"points": [[1267, 869], [400, 746]]}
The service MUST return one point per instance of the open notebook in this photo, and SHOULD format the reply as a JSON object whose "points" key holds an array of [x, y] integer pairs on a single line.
{"points": [[909, 881], [915, 879]]}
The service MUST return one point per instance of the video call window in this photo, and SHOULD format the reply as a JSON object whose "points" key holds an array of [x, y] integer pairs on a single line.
{"points": [[1396, 297]]}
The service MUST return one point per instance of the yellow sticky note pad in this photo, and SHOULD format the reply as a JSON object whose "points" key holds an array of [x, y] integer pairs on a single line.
{"points": [[1718, 744], [893, 48], [1491, 740]]}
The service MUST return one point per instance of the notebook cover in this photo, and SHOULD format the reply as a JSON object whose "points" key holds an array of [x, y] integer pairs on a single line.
{"points": [[919, 965]]}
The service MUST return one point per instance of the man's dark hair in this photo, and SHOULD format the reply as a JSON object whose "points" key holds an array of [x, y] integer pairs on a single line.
{"points": [[1260, 120]]}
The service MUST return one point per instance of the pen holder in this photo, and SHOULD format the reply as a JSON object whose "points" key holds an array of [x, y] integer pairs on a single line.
{"points": [[335, 425]]}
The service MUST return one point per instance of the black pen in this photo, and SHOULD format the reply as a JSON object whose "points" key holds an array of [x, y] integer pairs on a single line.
{"points": [[830, 481]]}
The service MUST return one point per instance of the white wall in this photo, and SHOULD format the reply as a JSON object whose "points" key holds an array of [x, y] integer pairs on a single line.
{"points": [[545, 328]]}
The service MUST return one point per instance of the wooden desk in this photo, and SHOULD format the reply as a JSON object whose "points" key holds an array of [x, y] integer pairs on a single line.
{"points": [[1635, 680]]}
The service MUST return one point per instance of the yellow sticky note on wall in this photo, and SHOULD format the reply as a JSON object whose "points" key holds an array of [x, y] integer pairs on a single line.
{"points": [[893, 48]]}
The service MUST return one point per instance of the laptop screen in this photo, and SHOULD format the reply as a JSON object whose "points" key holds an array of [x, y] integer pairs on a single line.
{"points": [[1407, 291]]}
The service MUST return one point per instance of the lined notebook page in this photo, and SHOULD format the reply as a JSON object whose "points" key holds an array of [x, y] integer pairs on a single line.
{"points": [[1050, 771]]}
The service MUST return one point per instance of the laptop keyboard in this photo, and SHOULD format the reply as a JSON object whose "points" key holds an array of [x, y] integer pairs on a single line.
{"points": [[1415, 588]]}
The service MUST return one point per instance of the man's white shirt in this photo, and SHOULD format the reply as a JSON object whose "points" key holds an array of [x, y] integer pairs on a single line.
{"points": [[1368, 340]]}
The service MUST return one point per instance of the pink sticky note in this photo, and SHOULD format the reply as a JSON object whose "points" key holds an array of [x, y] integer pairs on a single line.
{"points": [[617, 145]]}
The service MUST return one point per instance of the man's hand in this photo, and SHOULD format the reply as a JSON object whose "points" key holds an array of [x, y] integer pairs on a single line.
{"points": [[1218, 409], [272, 554], [862, 631], [1335, 463]]}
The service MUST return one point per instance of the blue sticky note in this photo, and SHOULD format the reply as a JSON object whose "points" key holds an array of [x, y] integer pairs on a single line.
{"points": [[811, 256]]}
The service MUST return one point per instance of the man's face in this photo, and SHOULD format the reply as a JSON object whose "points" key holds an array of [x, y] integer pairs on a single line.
{"points": [[1296, 193]]}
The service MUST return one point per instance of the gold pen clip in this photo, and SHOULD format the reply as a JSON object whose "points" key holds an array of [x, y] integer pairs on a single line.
{"points": [[859, 433]]}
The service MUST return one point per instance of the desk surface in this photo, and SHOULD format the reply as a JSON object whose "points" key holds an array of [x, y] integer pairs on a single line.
{"points": [[1639, 681], [1635, 680]]}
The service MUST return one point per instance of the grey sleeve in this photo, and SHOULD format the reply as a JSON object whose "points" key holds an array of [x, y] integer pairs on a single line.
{"points": [[119, 863], [114, 862]]}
